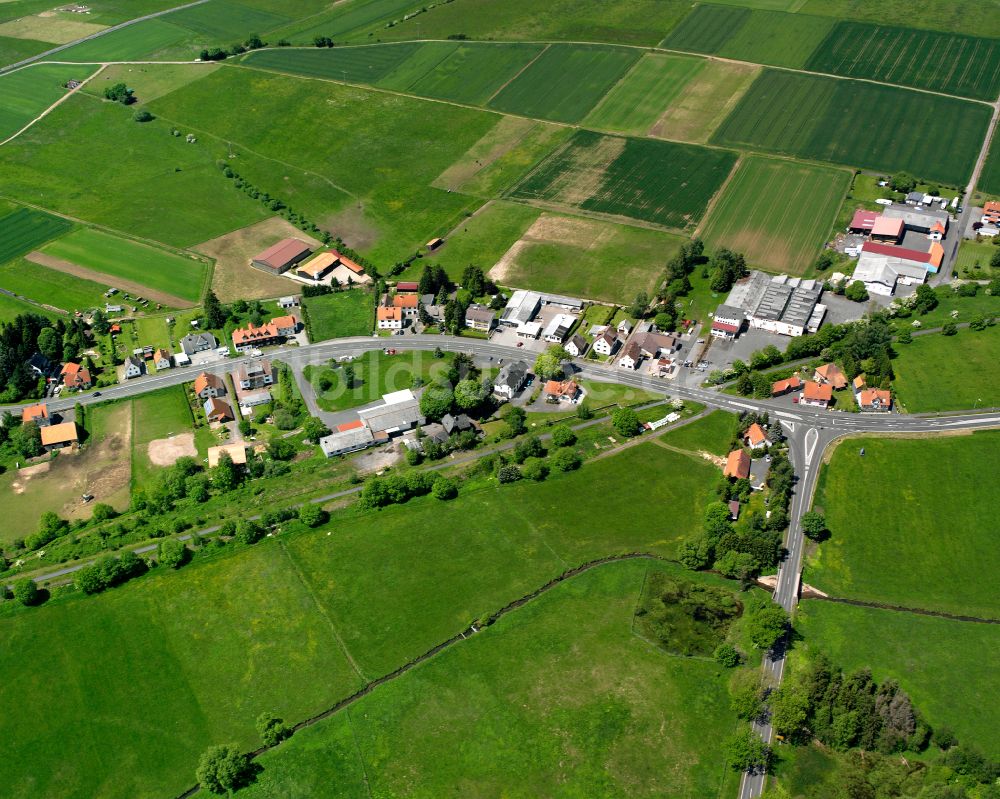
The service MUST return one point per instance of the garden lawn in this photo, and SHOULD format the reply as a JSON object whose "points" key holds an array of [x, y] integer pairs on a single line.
{"points": [[565, 82], [713, 434], [57, 289], [375, 374], [339, 315], [157, 414], [947, 667], [358, 142], [665, 183], [174, 274], [573, 255], [24, 229], [482, 240], [971, 253], [635, 103], [968, 66], [149, 184], [28, 92], [777, 213], [602, 395], [858, 124], [964, 363], [516, 708], [911, 524], [185, 660]]}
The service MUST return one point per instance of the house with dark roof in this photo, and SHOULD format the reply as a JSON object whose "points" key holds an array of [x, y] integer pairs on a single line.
{"points": [[457, 424], [481, 318], [511, 379], [198, 342], [607, 342], [134, 367], [576, 346], [41, 365]]}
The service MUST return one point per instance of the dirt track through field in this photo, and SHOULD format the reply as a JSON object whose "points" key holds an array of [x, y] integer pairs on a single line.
{"points": [[135, 289]]}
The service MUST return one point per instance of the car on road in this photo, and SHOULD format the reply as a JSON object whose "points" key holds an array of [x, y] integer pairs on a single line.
{"points": [[96, 394]]}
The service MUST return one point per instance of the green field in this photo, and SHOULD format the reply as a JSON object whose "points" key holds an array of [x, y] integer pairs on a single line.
{"points": [[375, 374], [972, 252], [642, 96], [776, 38], [356, 142], [157, 414], [955, 16], [44, 285], [24, 229], [225, 20], [963, 362], [573, 255], [911, 524], [482, 240], [662, 182], [518, 700], [989, 180], [149, 81], [858, 124], [149, 183], [144, 40], [707, 28], [713, 434], [947, 667], [171, 653], [565, 82], [11, 307], [353, 64], [777, 213], [338, 315], [342, 21], [964, 65], [28, 92], [118, 257], [13, 49]]}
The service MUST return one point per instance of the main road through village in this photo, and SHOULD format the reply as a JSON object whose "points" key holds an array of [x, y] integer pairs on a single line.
{"points": [[809, 431]]}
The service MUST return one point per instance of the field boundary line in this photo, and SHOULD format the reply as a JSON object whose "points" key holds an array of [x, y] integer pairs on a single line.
{"points": [[573, 210], [321, 610], [703, 222], [518, 74], [55, 105], [940, 614], [357, 749]]}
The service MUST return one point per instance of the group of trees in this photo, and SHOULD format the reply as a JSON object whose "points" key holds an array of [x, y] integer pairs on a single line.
{"points": [[24, 439], [254, 42], [119, 93], [110, 571], [395, 489], [26, 334], [725, 268]]}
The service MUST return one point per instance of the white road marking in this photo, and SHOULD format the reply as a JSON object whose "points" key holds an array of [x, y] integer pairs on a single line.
{"points": [[785, 415]]}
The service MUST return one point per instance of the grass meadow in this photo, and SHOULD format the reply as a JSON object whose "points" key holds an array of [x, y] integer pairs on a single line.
{"points": [[704, 101], [179, 661], [858, 124], [572, 256], [28, 92], [971, 253], [352, 64], [156, 414], [634, 104], [375, 374], [666, 183], [712, 434], [968, 66], [144, 40], [149, 184], [14, 49], [963, 362], [947, 667], [114, 256], [11, 307], [518, 700], [565, 82], [777, 213], [989, 179], [345, 22], [58, 289], [341, 314], [910, 524], [223, 20], [24, 229]]}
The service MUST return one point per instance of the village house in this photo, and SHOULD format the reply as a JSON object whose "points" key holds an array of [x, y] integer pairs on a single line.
{"points": [[457, 424], [734, 510], [756, 438], [57, 436], [76, 376], [606, 343], [481, 318], [787, 386], [815, 394], [727, 322], [737, 465], [41, 366], [399, 411], [871, 399], [389, 318], [134, 367], [409, 304], [280, 257], [831, 375], [218, 410], [39, 414], [256, 374], [511, 379], [194, 343], [576, 346], [268, 334], [208, 385], [630, 356], [162, 360], [561, 390], [347, 437]]}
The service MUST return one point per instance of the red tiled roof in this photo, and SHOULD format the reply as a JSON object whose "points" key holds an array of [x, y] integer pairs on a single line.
{"points": [[737, 464], [60, 433], [896, 251], [868, 397], [33, 412], [286, 250], [755, 434], [814, 391], [407, 286], [343, 428], [725, 326], [864, 220], [782, 386], [343, 260], [383, 313], [405, 301]]}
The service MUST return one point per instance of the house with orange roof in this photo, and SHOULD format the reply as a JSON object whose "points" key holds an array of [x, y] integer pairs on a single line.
{"points": [[815, 394], [935, 255], [57, 436], [737, 465], [39, 414], [76, 376], [267, 334], [409, 304], [874, 399], [315, 268], [830, 373], [991, 213], [218, 410], [756, 437], [208, 385], [782, 387], [389, 318], [561, 390]]}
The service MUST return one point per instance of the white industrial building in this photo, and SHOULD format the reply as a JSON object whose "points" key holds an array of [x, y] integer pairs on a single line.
{"points": [[779, 304], [558, 328]]}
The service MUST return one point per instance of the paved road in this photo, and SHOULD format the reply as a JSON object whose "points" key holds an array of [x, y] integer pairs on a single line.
{"points": [[105, 32]]}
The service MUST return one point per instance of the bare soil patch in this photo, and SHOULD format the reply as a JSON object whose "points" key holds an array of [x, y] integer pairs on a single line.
{"points": [[136, 289], [585, 178], [503, 268], [706, 100], [166, 451], [233, 277], [355, 229]]}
